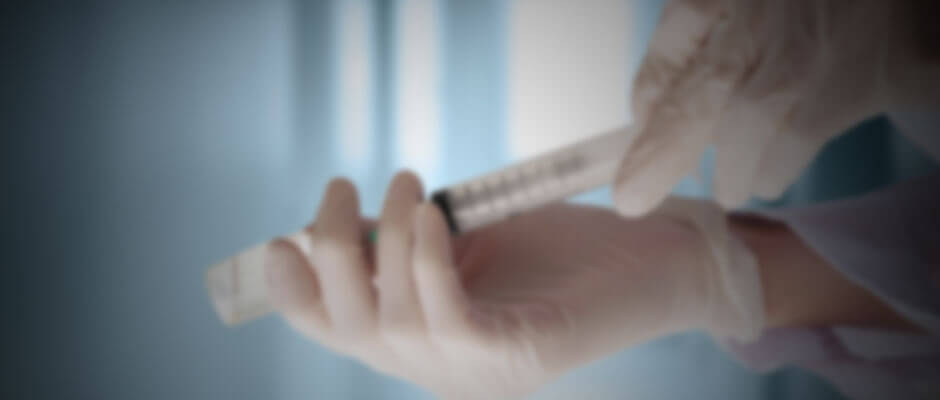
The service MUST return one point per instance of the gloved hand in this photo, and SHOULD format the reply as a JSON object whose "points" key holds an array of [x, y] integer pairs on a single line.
{"points": [[497, 312], [767, 83]]}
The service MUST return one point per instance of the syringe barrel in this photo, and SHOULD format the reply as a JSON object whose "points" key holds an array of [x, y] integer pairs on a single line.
{"points": [[533, 183]]}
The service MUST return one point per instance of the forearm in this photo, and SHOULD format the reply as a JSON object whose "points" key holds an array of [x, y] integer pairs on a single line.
{"points": [[801, 289]]}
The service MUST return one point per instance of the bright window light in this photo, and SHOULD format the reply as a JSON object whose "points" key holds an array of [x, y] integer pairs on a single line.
{"points": [[567, 71], [355, 82], [417, 87]]}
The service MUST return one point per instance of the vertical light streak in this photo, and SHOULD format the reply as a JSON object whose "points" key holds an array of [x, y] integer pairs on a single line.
{"points": [[417, 87], [356, 86]]}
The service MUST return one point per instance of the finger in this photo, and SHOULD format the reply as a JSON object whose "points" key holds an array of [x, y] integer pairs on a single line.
{"points": [[398, 303], [744, 132], [683, 27], [838, 96], [338, 256], [799, 140], [778, 79], [671, 143], [680, 91], [786, 157], [293, 288], [440, 291]]}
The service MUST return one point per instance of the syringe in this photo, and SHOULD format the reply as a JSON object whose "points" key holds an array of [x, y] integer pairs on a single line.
{"points": [[237, 285]]}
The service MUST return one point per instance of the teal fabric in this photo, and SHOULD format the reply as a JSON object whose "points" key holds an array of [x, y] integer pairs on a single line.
{"points": [[870, 156]]}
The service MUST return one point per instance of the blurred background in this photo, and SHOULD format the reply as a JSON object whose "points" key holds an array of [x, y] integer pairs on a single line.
{"points": [[144, 141]]}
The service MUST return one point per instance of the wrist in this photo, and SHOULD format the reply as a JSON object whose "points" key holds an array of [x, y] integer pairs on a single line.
{"points": [[764, 238], [801, 289], [727, 295]]}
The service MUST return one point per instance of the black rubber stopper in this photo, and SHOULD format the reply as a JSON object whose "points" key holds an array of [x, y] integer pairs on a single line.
{"points": [[442, 199]]}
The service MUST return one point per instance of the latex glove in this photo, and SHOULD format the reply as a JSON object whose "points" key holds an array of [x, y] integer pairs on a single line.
{"points": [[767, 83], [498, 312]]}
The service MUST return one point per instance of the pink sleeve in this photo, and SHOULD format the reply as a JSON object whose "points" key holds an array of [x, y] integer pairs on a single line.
{"points": [[888, 242]]}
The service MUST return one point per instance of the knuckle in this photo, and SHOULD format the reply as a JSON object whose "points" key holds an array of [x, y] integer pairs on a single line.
{"points": [[679, 9], [651, 82], [657, 72], [452, 337], [399, 330], [702, 7], [359, 343], [355, 327], [360, 336]]}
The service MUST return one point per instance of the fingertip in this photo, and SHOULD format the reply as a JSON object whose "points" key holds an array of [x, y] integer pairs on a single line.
{"points": [[669, 147], [772, 181], [341, 185], [639, 187], [768, 189], [340, 191], [731, 195], [789, 156], [628, 202], [404, 191], [338, 216], [409, 179]]}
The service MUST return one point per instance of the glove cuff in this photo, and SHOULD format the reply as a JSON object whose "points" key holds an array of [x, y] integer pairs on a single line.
{"points": [[735, 302]]}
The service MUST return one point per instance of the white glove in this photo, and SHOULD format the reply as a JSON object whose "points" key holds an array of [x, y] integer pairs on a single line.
{"points": [[767, 83], [500, 311]]}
